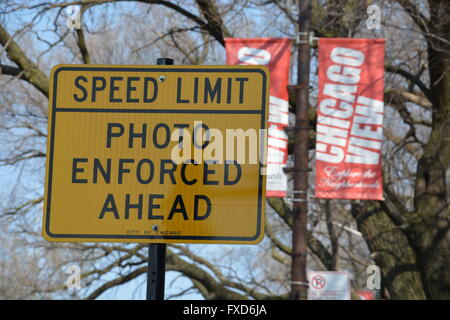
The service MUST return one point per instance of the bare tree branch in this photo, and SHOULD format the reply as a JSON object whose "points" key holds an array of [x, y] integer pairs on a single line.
{"points": [[31, 72], [410, 77], [116, 282]]}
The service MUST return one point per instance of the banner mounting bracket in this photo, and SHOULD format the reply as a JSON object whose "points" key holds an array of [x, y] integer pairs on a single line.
{"points": [[310, 38]]}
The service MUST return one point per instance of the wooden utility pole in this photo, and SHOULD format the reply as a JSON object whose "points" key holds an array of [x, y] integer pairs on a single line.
{"points": [[299, 285]]}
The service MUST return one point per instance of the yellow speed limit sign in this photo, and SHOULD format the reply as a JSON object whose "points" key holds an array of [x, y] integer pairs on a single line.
{"points": [[156, 154]]}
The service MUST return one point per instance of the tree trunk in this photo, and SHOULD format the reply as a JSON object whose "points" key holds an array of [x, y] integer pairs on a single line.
{"points": [[390, 251], [430, 222], [413, 251]]}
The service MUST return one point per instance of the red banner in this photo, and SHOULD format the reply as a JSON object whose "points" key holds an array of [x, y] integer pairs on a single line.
{"points": [[276, 55], [350, 119]]}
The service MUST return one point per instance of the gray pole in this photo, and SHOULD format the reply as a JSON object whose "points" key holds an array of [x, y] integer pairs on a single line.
{"points": [[299, 286], [156, 270]]}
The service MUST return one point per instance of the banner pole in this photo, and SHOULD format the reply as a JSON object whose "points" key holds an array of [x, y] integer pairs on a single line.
{"points": [[156, 263], [299, 281]]}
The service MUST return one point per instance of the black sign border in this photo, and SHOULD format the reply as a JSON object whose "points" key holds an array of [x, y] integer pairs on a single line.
{"points": [[152, 69]]}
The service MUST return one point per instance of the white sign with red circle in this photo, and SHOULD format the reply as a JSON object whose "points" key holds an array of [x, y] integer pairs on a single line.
{"points": [[329, 285]]}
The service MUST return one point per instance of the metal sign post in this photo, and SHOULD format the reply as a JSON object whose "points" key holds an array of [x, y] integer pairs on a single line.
{"points": [[156, 264], [156, 271]]}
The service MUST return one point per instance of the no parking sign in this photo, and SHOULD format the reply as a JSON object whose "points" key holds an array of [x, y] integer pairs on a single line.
{"points": [[329, 285]]}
